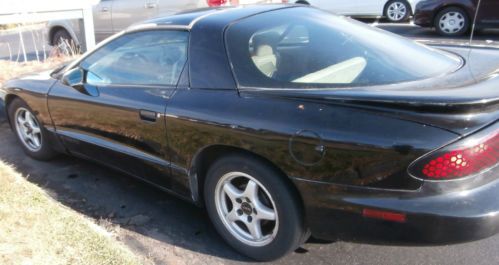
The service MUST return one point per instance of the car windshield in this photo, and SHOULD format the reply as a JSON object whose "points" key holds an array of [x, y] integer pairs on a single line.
{"points": [[304, 47]]}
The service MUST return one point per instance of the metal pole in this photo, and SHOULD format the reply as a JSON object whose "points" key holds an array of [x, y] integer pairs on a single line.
{"points": [[88, 25], [22, 43]]}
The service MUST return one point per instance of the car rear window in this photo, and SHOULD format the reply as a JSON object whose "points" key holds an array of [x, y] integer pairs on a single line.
{"points": [[305, 48]]}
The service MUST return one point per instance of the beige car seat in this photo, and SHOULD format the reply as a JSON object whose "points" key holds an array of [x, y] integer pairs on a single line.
{"points": [[265, 59]]}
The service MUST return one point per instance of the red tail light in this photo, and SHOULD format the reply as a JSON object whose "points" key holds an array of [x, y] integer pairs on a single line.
{"points": [[216, 2], [463, 158]]}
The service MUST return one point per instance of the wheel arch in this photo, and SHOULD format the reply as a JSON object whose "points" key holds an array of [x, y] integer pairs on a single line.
{"points": [[52, 32], [9, 98], [205, 157], [61, 25]]}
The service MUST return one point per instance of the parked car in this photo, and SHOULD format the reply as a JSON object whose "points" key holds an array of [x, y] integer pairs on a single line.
{"points": [[112, 16], [283, 121], [393, 10], [455, 17]]}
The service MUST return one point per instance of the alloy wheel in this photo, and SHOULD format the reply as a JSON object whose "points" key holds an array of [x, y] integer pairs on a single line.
{"points": [[396, 11], [246, 209], [28, 129]]}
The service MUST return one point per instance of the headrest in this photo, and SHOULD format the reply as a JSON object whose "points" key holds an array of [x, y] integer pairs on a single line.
{"points": [[264, 50]]}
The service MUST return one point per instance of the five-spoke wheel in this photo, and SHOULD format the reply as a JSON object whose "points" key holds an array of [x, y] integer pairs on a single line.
{"points": [[254, 207], [29, 130], [246, 209]]}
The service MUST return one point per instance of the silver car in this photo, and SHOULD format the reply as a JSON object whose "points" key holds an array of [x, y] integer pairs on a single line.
{"points": [[112, 16]]}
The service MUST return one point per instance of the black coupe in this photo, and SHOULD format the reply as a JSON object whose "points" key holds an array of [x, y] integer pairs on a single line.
{"points": [[284, 122]]}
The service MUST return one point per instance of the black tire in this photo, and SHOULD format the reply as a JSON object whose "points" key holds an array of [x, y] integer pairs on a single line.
{"points": [[45, 152], [440, 28], [302, 2], [291, 231], [61, 35], [64, 43], [403, 3]]}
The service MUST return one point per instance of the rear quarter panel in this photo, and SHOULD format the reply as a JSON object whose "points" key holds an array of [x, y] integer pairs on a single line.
{"points": [[307, 140]]}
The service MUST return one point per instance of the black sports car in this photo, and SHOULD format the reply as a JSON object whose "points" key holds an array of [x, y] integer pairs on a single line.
{"points": [[283, 121]]}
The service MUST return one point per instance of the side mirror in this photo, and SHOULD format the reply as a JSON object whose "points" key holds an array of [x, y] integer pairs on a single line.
{"points": [[74, 78]]}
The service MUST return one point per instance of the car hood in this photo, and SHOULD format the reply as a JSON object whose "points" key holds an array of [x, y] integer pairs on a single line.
{"points": [[39, 82]]}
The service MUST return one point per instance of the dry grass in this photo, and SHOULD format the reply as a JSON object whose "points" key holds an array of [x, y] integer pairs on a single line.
{"points": [[35, 229], [7, 26], [10, 69]]}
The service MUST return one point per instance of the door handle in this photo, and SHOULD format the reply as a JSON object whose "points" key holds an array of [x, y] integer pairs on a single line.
{"points": [[104, 9], [147, 115]]}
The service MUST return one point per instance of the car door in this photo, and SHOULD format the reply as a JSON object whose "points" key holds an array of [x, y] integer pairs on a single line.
{"points": [[116, 114], [488, 13], [102, 20], [128, 12]]}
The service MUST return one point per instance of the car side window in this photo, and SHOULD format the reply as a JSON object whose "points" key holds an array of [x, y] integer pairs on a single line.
{"points": [[141, 58]]}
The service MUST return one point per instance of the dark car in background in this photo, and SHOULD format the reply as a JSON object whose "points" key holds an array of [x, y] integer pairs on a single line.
{"points": [[455, 17], [284, 121]]}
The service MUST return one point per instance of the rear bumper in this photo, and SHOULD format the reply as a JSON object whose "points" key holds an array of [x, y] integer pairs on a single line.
{"points": [[433, 216]]}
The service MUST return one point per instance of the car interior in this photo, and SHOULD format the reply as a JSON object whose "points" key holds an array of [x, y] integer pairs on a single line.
{"points": [[275, 56], [295, 55]]}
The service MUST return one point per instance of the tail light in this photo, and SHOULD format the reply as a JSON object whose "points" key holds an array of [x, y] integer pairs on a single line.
{"points": [[234, 2], [464, 158], [216, 2], [222, 2]]}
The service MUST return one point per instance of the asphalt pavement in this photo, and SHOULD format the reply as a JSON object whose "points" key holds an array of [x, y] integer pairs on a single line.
{"points": [[34, 44]]}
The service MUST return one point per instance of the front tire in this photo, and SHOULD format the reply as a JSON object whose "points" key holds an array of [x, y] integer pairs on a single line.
{"points": [[397, 10], [253, 208], [29, 131], [452, 21]]}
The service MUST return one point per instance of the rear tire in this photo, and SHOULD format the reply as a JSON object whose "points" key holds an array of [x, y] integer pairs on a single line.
{"points": [[242, 193], [29, 131], [452, 21]]}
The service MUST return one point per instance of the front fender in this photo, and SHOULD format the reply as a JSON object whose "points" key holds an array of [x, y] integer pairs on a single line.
{"points": [[32, 89]]}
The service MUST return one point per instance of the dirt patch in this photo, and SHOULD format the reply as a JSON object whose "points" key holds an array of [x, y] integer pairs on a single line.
{"points": [[35, 229]]}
